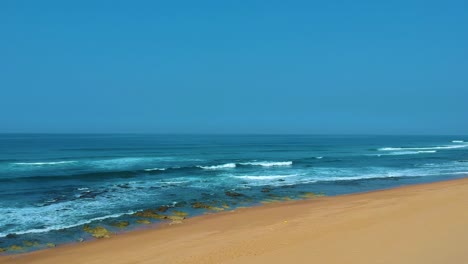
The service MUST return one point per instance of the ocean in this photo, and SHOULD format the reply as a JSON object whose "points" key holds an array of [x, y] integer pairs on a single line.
{"points": [[55, 188]]}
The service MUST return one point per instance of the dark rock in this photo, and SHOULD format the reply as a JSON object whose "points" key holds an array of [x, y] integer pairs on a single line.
{"points": [[265, 190], [12, 235], [163, 208], [180, 204], [233, 194]]}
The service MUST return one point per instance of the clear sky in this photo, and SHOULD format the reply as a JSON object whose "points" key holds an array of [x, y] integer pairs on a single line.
{"points": [[365, 67]]}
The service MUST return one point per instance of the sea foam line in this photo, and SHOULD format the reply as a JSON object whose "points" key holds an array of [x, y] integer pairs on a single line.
{"points": [[44, 163], [422, 148], [264, 177], [55, 228]]}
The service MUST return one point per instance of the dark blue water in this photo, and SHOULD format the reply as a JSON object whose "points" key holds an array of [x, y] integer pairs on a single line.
{"points": [[51, 185]]}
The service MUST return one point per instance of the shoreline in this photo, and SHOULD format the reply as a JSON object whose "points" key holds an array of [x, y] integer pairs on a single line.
{"points": [[362, 227]]}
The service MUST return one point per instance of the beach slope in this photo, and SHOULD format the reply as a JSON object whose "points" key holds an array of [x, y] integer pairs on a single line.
{"points": [[425, 223]]}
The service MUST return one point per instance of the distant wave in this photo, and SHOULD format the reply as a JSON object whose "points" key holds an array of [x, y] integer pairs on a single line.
{"points": [[156, 169], [268, 163], [319, 157], [422, 148], [91, 176], [458, 141], [44, 163], [217, 167], [411, 152]]}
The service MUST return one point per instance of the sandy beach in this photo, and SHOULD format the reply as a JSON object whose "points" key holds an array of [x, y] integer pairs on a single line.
{"points": [[426, 223]]}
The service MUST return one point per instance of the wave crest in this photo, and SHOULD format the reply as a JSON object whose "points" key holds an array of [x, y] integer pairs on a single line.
{"points": [[421, 148], [268, 163], [217, 167]]}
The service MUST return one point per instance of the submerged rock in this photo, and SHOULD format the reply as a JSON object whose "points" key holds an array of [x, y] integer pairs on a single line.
{"points": [[2, 250], [179, 213], [50, 245], [175, 217], [275, 199], [143, 221], [308, 195], [97, 232], [15, 248], [121, 224], [265, 190], [28, 243]]}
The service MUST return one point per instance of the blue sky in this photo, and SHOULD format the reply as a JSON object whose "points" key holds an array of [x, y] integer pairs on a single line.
{"points": [[341, 67]]}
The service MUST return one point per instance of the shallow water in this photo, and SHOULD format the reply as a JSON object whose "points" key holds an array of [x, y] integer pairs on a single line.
{"points": [[51, 185]]}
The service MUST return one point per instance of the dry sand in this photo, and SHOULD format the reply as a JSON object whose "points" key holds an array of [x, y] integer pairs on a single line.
{"points": [[425, 223]]}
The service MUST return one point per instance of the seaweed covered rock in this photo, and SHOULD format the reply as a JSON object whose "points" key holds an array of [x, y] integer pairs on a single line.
{"points": [[200, 205], [150, 213], [50, 245], [2, 250], [121, 224], [98, 231]]}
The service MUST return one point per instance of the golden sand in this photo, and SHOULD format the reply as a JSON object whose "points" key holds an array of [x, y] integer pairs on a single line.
{"points": [[425, 223]]}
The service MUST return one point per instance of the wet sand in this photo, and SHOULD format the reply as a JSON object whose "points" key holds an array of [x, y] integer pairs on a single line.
{"points": [[425, 223]]}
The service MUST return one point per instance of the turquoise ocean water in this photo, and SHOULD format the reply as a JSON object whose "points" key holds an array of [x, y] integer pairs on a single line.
{"points": [[52, 185]]}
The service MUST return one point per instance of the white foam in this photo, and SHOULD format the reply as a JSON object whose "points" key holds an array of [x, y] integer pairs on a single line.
{"points": [[458, 141], [319, 157], [156, 169], [268, 163], [218, 167]]}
